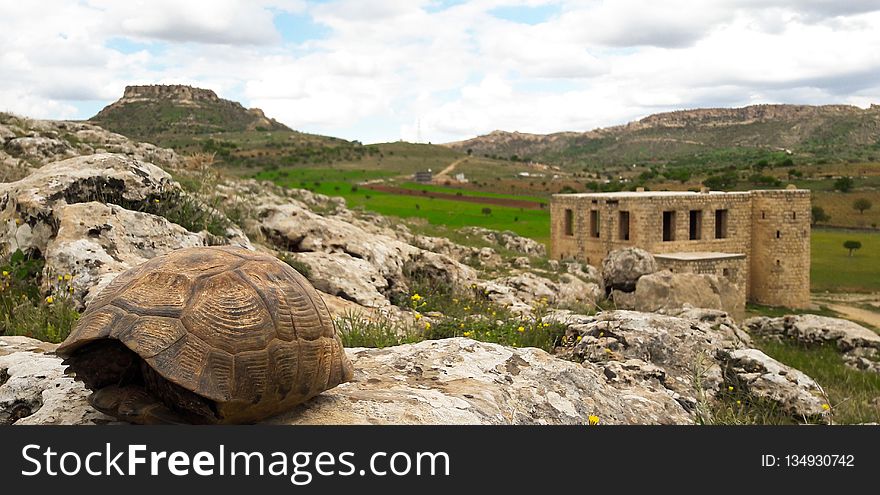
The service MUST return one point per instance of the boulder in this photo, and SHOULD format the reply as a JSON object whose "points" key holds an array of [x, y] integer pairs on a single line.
{"points": [[29, 207], [815, 329], [664, 291], [622, 268], [291, 227], [677, 346], [859, 345], [522, 291], [764, 377], [450, 381], [96, 241], [341, 275]]}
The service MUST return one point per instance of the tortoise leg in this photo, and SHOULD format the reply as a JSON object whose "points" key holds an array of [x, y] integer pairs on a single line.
{"points": [[133, 404]]}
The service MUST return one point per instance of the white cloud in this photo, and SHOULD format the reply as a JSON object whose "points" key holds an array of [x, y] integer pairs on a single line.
{"points": [[445, 72]]}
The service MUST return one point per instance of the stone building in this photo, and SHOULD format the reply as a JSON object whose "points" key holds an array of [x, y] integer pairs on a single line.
{"points": [[760, 240]]}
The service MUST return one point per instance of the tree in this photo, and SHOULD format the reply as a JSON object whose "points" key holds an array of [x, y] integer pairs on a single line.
{"points": [[819, 215], [852, 246], [843, 184], [862, 204], [487, 211]]}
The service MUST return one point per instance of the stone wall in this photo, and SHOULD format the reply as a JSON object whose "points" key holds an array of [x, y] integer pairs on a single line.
{"points": [[780, 253]]}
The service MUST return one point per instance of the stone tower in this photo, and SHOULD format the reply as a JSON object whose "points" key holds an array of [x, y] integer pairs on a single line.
{"points": [[780, 257]]}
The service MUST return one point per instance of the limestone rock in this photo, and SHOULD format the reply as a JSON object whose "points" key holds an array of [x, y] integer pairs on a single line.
{"points": [[293, 228], [341, 275], [461, 381], [622, 268], [815, 329], [586, 272], [28, 207], [664, 291], [520, 292], [95, 242], [450, 381], [677, 346], [35, 390], [508, 240], [763, 376]]}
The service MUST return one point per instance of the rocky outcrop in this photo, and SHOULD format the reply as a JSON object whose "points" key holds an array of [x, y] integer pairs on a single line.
{"points": [[450, 381], [622, 268], [27, 144], [688, 357], [508, 240], [291, 227], [29, 207], [521, 292], [344, 276], [96, 241], [69, 214], [665, 291], [35, 390], [859, 345], [764, 377]]}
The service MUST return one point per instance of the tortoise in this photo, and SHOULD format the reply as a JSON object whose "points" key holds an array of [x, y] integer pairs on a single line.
{"points": [[205, 335]]}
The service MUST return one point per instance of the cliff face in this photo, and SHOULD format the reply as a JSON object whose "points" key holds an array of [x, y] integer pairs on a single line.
{"points": [[173, 92]]}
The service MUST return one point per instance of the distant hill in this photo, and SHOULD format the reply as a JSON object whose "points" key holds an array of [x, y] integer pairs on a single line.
{"points": [[190, 119], [145, 112], [717, 136]]}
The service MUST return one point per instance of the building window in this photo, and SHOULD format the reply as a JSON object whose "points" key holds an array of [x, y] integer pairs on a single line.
{"points": [[624, 226], [594, 223], [668, 225], [794, 215], [778, 234], [696, 225], [720, 224], [725, 272], [763, 215], [569, 222]]}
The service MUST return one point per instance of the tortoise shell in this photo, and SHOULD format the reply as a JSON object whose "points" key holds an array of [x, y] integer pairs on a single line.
{"points": [[214, 334]]}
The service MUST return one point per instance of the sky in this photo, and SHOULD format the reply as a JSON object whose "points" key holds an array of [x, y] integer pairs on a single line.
{"points": [[440, 71]]}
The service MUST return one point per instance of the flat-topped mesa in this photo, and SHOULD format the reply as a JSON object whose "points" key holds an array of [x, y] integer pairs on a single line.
{"points": [[177, 92], [743, 115]]}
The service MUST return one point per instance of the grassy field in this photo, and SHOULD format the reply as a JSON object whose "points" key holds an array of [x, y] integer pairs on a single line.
{"points": [[850, 391], [339, 182], [834, 270]]}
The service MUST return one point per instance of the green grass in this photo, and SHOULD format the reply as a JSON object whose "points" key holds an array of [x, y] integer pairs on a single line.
{"points": [[24, 310], [834, 270], [469, 192], [339, 182], [445, 312], [852, 393]]}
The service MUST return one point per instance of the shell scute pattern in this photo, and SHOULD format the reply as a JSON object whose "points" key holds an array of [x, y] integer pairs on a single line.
{"points": [[237, 327]]}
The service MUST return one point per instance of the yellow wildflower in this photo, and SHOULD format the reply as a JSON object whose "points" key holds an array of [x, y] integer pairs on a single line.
{"points": [[60, 278], [5, 273], [416, 297], [825, 407], [608, 350], [50, 299], [70, 289], [156, 201], [67, 276], [593, 419], [467, 334], [546, 325], [461, 326], [427, 325], [467, 308], [17, 221], [418, 316], [521, 329], [578, 339], [730, 389], [739, 402], [455, 300]]}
